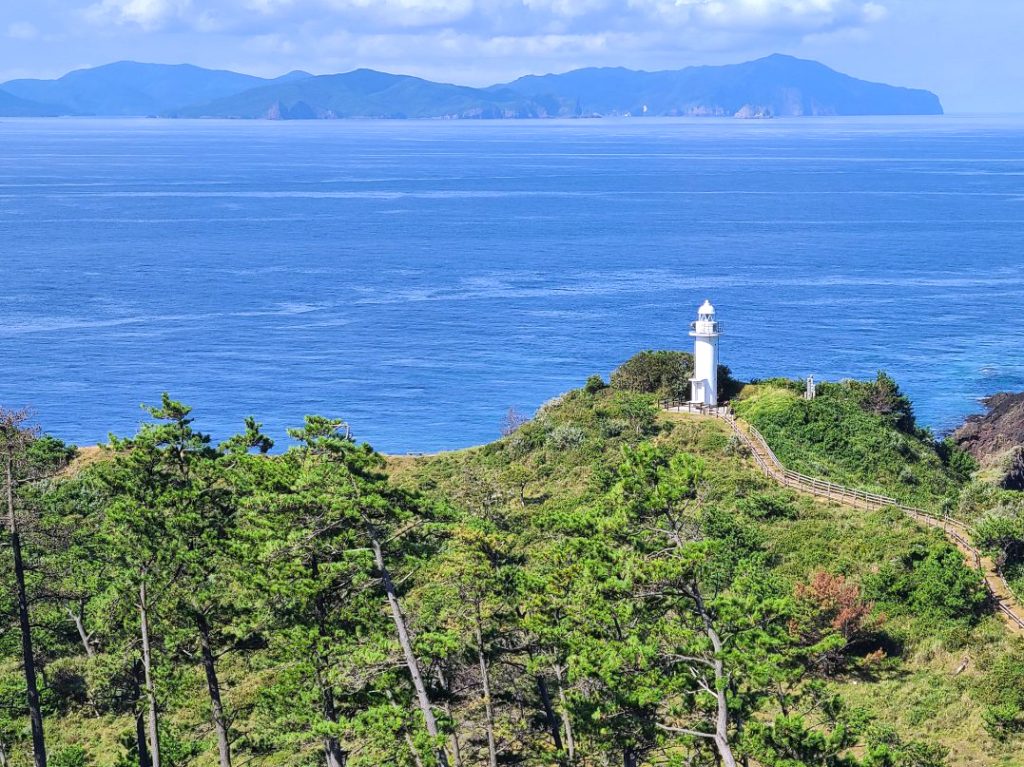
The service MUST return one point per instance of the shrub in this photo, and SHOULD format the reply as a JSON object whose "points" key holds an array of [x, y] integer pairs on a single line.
{"points": [[594, 384], [66, 680], [69, 756], [613, 427], [1002, 531], [566, 437], [49, 453], [664, 373], [884, 398], [1003, 690], [1013, 469], [931, 581], [528, 437], [835, 621], [518, 445], [885, 748], [792, 740], [960, 463], [768, 505], [907, 477], [1002, 721], [640, 413], [735, 446]]}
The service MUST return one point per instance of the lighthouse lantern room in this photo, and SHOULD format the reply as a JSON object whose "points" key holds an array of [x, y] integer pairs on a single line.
{"points": [[705, 331]]}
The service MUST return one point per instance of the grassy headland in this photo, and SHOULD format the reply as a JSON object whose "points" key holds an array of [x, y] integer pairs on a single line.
{"points": [[605, 584]]}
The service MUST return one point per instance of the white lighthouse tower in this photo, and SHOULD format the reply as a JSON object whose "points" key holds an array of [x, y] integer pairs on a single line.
{"points": [[705, 331]]}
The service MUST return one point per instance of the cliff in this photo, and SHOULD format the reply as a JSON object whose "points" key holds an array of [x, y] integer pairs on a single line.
{"points": [[996, 439]]}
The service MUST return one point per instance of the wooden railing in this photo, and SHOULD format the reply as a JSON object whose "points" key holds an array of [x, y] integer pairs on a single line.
{"points": [[772, 467]]}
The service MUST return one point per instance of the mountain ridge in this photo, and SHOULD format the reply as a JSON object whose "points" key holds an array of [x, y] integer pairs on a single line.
{"points": [[13, 106], [133, 89], [761, 83], [773, 86]]}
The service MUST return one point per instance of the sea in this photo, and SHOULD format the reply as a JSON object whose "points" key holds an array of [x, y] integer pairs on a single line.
{"points": [[420, 278]]}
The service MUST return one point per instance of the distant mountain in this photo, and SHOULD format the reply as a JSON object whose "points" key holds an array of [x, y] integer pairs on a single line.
{"points": [[130, 88], [296, 74], [12, 106], [366, 93], [773, 86]]}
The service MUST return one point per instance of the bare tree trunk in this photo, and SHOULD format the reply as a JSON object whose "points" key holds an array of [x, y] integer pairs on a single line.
{"points": [[549, 712], [456, 748], [35, 710], [76, 617], [403, 639], [453, 739], [485, 682], [412, 749], [140, 738], [570, 737], [332, 749], [721, 737], [333, 753], [220, 721], [147, 670]]}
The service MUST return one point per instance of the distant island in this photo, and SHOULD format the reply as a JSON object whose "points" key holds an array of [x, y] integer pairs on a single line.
{"points": [[774, 86]]}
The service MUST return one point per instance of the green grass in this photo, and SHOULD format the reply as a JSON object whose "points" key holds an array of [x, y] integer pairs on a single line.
{"points": [[836, 438]]}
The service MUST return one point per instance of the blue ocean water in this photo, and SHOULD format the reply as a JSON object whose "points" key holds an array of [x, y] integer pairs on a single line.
{"points": [[420, 278]]}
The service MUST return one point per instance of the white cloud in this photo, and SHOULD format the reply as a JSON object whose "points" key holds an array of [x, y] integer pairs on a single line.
{"points": [[567, 9], [497, 17], [875, 12], [478, 41], [148, 14], [22, 30], [775, 14]]}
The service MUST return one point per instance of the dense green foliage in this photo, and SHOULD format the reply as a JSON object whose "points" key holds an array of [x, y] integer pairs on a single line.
{"points": [[858, 434], [997, 518], [605, 585], [665, 374], [863, 434]]}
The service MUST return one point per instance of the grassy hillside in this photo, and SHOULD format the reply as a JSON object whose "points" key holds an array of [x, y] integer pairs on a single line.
{"points": [[858, 434], [917, 689], [562, 588], [863, 435]]}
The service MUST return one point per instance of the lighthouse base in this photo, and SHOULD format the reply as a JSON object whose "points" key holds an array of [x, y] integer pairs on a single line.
{"points": [[702, 393]]}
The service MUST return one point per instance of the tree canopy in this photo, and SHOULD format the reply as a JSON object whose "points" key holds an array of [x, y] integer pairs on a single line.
{"points": [[604, 585]]}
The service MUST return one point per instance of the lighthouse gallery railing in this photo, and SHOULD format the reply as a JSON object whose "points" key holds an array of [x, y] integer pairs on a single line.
{"points": [[716, 326]]}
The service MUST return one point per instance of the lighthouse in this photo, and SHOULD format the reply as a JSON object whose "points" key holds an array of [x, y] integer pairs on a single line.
{"points": [[705, 332]]}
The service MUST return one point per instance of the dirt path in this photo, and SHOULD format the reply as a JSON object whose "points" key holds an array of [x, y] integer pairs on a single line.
{"points": [[956, 532]]}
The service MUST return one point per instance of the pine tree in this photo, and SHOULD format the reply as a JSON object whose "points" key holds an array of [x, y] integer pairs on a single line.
{"points": [[15, 441], [166, 517]]}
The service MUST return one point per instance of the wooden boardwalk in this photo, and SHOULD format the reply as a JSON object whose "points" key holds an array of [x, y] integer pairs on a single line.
{"points": [[958, 533]]}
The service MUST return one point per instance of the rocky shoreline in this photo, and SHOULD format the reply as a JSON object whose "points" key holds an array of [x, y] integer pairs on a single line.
{"points": [[996, 439]]}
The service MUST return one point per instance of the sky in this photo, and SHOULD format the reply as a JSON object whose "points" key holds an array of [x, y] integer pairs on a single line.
{"points": [[966, 51]]}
